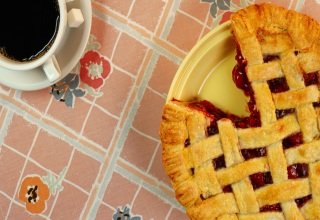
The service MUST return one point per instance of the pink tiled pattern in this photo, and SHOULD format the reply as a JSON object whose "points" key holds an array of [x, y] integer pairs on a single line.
{"points": [[51, 152], [18, 212], [82, 166], [177, 214], [184, 26], [129, 49], [309, 8], [118, 6], [149, 114], [147, 13], [120, 191], [104, 211], [17, 127], [196, 10], [163, 75], [139, 150], [4, 205], [100, 127], [66, 118], [106, 34], [155, 204], [35, 99], [73, 200], [10, 166], [102, 156], [115, 102], [157, 170]]}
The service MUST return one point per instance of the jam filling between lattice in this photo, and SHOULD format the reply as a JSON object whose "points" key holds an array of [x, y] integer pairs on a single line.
{"points": [[253, 120]]}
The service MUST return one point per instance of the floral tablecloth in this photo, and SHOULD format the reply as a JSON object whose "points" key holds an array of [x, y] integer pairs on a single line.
{"points": [[88, 147]]}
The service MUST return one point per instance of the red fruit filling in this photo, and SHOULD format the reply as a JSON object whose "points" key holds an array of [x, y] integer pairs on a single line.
{"points": [[269, 58], [311, 78], [300, 202], [277, 208], [219, 162], [283, 112], [253, 153], [297, 171], [278, 85], [271, 208], [187, 142], [260, 179], [292, 140], [316, 104], [253, 120], [227, 189]]}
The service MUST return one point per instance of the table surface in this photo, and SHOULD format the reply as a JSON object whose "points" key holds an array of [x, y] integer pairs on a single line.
{"points": [[90, 143]]}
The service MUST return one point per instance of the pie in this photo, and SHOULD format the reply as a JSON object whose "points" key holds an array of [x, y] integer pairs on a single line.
{"points": [[266, 165]]}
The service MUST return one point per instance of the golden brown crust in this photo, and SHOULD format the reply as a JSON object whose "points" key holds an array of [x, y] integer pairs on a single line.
{"points": [[174, 131], [277, 30], [260, 30]]}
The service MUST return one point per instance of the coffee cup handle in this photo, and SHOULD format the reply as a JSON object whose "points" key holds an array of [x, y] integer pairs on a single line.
{"points": [[52, 69]]}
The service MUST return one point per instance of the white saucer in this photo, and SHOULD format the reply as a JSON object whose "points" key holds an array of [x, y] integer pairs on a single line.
{"points": [[68, 56]]}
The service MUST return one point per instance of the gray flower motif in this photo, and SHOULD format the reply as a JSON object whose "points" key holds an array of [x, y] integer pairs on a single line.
{"points": [[217, 4], [67, 89], [124, 214]]}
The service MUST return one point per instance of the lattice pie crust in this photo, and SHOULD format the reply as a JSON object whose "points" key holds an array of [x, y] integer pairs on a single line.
{"points": [[292, 40]]}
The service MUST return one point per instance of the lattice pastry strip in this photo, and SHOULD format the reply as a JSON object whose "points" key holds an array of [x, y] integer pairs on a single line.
{"points": [[207, 181], [306, 114], [228, 217], [274, 44], [264, 102], [250, 48], [274, 151], [311, 210], [309, 62], [317, 110], [246, 168], [296, 98], [279, 174], [264, 72], [269, 134], [242, 170], [307, 120], [292, 70], [306, 153], [242, 187], [263, 216], [279, 169], [291, 211], [283, 191], [202, 151], [215, 207]]}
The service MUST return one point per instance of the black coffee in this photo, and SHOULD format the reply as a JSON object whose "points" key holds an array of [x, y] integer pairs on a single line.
{"points": [[28, 28]]}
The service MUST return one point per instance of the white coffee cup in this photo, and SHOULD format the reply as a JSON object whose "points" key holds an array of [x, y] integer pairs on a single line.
{"points": [[47, 61]]}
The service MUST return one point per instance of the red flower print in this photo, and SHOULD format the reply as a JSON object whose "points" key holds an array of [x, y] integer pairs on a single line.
{"points": [[226, 16], [94, 69]]}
